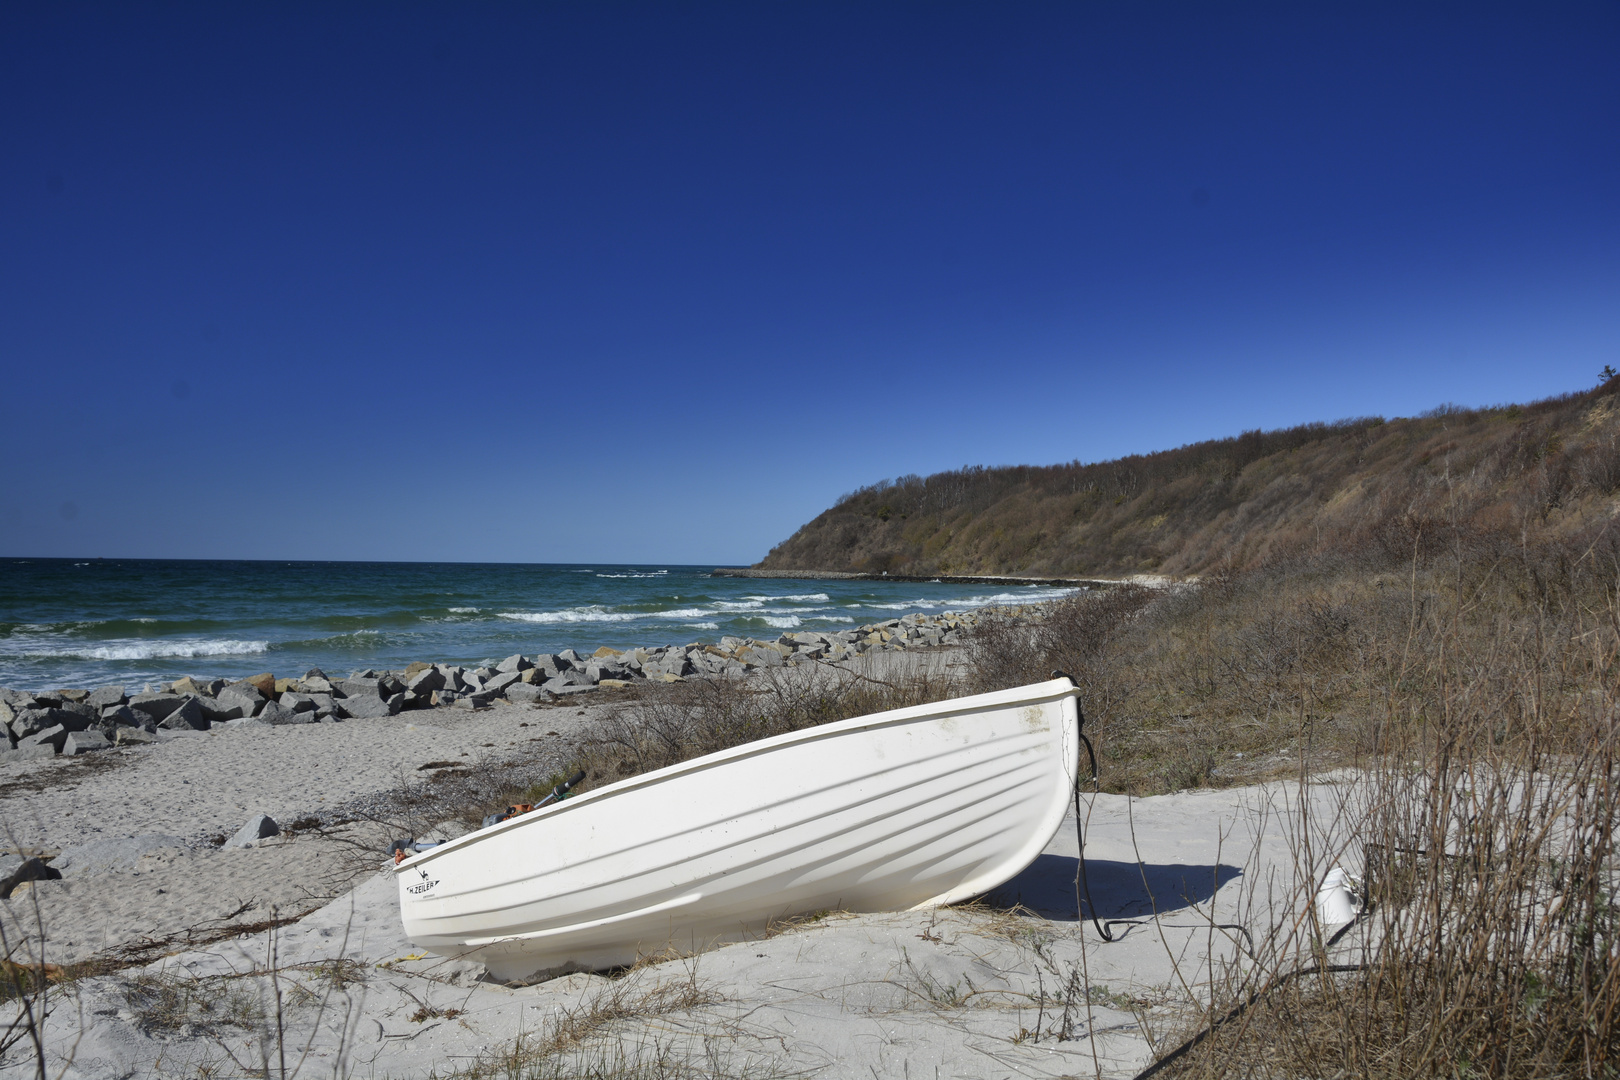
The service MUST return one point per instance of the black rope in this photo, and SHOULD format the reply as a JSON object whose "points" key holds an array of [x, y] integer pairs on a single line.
{"points": [[1082, 882], [1082, 888]]}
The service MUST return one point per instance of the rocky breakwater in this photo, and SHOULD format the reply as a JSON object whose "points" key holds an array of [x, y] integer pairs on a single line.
{"points": [[74, 722]]}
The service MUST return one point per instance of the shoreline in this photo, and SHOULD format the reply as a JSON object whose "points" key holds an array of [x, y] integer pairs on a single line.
{"points": [[72, 722], [1149, 580]]}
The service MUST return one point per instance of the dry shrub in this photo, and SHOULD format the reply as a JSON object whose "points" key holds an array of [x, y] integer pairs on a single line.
{"points": [[684, 720], [605, 1037], [1493, 943]]}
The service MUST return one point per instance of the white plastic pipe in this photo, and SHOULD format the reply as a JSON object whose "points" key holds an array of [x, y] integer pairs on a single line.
{"points": [[1336, 901]]}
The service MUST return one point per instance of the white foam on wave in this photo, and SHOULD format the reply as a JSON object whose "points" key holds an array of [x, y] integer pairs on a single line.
{"points": [[702, 625], [177, 648], [782, 622], [833, 618], [738, 605], [593, 613], [803, 598], [1034, 596], [636, 574], [463, 611], [52, 628]]}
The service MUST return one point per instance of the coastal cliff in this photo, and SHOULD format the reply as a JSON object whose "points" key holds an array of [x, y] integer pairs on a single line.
{"points": [[1552, 465]]}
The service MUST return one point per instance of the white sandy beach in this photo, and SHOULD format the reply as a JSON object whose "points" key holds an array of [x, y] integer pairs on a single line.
{"points": [[991, 989]]}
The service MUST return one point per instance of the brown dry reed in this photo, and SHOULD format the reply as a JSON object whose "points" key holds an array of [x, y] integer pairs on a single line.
{"points": [[1472, 687]]}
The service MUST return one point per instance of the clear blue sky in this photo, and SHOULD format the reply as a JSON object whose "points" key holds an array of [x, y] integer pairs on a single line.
{"points": [[614, 282]]}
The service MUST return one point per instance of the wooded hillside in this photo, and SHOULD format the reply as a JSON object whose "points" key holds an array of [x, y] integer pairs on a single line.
{"points": [[1552, 467]]}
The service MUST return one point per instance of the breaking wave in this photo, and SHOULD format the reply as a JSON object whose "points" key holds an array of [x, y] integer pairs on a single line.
{"points": [[145, 650], [590, 614]]}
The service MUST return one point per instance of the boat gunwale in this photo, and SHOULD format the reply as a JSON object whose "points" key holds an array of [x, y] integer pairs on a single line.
{"points": [[1033, 693]]}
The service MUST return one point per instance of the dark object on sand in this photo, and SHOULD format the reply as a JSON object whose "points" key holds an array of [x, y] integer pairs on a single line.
{"points": [[30, 870]]}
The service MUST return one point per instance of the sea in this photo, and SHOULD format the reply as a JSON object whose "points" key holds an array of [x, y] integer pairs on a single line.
{"points": [[88, 623]]}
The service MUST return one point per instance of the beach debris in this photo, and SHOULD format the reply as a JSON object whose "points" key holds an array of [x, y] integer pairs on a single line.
{"points": [[1336, 900], [27, 870], [259, 827]]}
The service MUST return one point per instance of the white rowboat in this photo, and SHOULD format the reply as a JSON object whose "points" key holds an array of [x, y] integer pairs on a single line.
{"points": [[905, 809]]}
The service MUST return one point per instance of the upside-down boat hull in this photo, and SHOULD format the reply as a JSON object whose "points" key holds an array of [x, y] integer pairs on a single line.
{"points": [[911, 808]]}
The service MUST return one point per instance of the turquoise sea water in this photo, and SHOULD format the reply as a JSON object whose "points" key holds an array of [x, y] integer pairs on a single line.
{"points": [[89, 623]]}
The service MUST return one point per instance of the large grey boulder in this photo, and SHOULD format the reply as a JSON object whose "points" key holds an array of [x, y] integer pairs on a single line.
{"points": [[128, 736], [52, 737], [188, 717], [478, 699], [499, 683], [357, 687], [32, 720], [87, 714], [361, 707], [318, 684], [28, 753], [426, 681], [525, 694], [570, 657], [259, 827], [764, 657], [517, 662], [7, 713], [28, 721], [115, 717], [297, 702], [669, 663], [276, 712], [561, 686], [218, 711], [243, 694], [389, 685], [157, 706], [107, 695], [99, 856], [83, 742]]}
